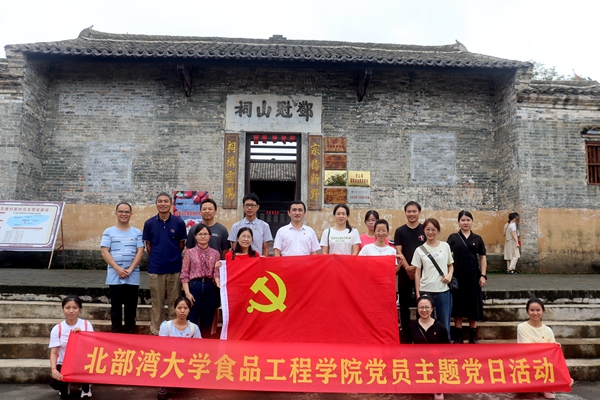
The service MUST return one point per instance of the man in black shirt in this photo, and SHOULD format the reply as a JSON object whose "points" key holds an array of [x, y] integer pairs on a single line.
{"points": [[406, 239]]}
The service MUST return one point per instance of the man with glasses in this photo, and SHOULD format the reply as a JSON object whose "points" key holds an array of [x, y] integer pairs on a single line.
{"points": [[164, 235], [260, 229], [122, 248]]}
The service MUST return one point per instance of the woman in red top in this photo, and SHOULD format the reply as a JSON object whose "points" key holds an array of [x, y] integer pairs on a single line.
{"points": [[243, 247], [201, 281]]}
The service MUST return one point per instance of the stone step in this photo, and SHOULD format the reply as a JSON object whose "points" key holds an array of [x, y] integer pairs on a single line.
{"points": [[572, 348], [584, 369], [100, 311], [25, 371], [562, 329], [47, 309], [554, 312], [24, 347], [22, 327]]}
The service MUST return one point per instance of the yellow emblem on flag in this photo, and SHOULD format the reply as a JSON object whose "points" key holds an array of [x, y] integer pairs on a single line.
{"points": [[276, 301]]}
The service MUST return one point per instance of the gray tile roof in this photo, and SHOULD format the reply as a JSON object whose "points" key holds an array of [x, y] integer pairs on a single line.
{"points": [[276, 48], [563, 87], [268, 171]]}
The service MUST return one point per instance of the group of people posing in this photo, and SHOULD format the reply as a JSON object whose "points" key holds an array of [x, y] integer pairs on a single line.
{"points": [[425, 266], [424, 263]]}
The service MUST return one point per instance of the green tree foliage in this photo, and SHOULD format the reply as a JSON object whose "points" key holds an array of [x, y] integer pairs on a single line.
{"points": [[543, 73]]}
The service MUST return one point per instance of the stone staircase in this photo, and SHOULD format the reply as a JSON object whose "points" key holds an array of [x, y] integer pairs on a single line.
{"points": [[26, 326]]}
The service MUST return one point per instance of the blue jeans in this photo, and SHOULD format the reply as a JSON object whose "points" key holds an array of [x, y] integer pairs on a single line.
{"points": [[442, 302]]}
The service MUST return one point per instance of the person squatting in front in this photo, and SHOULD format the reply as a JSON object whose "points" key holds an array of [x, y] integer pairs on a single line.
{"points": [[179, 327], [59, 337]]}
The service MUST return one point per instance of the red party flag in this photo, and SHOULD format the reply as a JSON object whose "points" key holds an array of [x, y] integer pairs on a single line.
{"points": [[320, 299]]}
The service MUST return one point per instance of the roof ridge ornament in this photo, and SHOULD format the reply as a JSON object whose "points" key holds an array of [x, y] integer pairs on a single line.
{"points": [[277, 38], [460, 47], [86, 33]]}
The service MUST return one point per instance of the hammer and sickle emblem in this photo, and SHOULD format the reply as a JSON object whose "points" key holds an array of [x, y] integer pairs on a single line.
{"points": [[276, 301]]}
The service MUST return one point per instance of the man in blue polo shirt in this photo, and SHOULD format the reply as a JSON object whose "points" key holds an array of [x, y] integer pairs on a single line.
{"points": [[164, 235]]}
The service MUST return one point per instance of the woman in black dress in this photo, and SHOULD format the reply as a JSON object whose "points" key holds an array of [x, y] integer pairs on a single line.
{"points": [[470, 264]]}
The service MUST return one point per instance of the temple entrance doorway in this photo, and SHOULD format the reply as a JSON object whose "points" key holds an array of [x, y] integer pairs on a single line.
{"points": [[273, 173]]}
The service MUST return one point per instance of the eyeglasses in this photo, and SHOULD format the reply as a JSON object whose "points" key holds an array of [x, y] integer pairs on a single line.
{"points": [[123, 212], [250, 205]]}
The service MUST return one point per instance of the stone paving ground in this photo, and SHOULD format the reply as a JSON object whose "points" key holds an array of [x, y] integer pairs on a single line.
{"points": [[581, 391]]}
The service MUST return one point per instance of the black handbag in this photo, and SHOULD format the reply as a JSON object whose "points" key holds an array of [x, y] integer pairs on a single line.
{"points": [[453, 285]]}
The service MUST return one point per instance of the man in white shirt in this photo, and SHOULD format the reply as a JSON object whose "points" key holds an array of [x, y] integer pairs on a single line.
{"points": [[296, 239], [261, 232]]}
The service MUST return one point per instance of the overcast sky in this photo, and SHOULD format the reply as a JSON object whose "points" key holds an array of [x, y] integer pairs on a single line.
{"points": [[560, 34]]}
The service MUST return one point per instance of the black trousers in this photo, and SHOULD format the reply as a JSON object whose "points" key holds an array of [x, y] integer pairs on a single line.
{"points": [[123, 295], [405, 291], [63, 387]]}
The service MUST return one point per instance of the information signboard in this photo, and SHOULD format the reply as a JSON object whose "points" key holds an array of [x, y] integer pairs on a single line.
{"points": [[29, 225]]}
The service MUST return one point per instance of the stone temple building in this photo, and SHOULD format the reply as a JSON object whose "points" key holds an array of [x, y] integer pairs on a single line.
{"points": [[108, 117]]}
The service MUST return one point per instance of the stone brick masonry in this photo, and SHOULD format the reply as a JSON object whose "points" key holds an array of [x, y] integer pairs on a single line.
{"points": [[98, 131]]}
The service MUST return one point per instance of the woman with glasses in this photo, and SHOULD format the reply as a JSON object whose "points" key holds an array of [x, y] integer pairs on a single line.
{"points": [[427, 278], [243, 247], [426, 330], [371, 217], [200, 280]]}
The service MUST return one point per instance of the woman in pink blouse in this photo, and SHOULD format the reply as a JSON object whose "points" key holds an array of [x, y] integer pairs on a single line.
{"points": [[200, 280]]}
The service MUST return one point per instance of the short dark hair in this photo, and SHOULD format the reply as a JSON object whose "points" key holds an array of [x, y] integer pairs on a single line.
{"points": [[412, 203], [465, 213], [180, 299], [199, 227], [72, 297], [296, 202], [533, 301], [251, 196], [425, 297], [251, 251], [381, 222], [211, 201], [512, 216], [161, 194], [373, 213], [123, 202]]}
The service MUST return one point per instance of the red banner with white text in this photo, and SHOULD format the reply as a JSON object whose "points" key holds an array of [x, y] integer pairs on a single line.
{"points": [[317, 299], [111, 358]]}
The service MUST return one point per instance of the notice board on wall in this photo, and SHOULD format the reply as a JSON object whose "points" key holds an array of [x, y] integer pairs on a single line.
{"points": [[29, 225]]}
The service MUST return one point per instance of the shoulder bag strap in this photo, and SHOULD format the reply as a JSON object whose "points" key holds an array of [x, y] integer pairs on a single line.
{"points": [[468, 249], [428, 254]]}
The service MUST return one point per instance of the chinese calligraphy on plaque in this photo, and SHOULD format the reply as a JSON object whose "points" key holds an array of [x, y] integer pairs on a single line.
{"points": [[272, 113], [315, 171], [230, 170]]}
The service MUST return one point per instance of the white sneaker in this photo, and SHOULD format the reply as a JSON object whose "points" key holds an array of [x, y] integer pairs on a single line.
{"points": [[549, 395], [86, 394], [438, 396]]}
